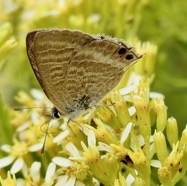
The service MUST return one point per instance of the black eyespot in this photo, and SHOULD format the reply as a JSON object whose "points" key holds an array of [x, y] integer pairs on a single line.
{"points": [[122, 51], [102, 37], [129, 57]]}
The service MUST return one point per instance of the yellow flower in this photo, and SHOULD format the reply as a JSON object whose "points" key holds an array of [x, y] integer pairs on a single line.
{"points": [[8, 181]]}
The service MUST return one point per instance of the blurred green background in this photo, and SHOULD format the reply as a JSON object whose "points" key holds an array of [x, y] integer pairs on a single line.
{"points": [[161, 22]]}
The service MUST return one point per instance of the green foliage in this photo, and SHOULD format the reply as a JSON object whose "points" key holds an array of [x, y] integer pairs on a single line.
{"points": [[6, 127]]}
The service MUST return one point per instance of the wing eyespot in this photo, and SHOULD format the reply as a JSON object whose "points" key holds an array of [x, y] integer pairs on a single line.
{"points": [[129, 57], [122, 51]]}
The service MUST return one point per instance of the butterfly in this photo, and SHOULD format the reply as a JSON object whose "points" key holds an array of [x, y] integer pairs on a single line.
{"points": [[76, 69]]}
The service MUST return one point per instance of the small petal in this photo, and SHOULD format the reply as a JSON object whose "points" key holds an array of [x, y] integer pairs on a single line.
{"points": [[105, 147], [20, 182], [50, 172], [61, 136], [90, 134], [78, 183], [130, 179], [132, 110], [96, 182], [126, 132], [91, 138], [140, 140], [62, 181], [35, 171], [35, 118], [156, 163], [63, 126], [6, 148], [71, 181], [70, 147], [156, 95], [35, 147], [37, 94], [23, 127], [6, 161], [17, 166], [134, 79], [25, 170], [80, 158], [62, 162], [84, 146], [127, 89]]}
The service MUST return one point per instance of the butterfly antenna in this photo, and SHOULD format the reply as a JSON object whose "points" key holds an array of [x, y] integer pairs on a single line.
{"points": [[45, 138], [27, 108], [75, 123]]}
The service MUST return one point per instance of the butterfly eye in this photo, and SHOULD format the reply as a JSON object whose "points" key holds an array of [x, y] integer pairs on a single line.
{"points": [[129, 57], [55, 113]]}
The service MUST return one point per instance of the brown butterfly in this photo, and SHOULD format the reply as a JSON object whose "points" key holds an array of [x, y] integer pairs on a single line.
{"points": [[76, 69]]}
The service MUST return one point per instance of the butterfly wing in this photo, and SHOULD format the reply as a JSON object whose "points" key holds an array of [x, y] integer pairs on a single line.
{"points": [[96, 69], [50, 53]]}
